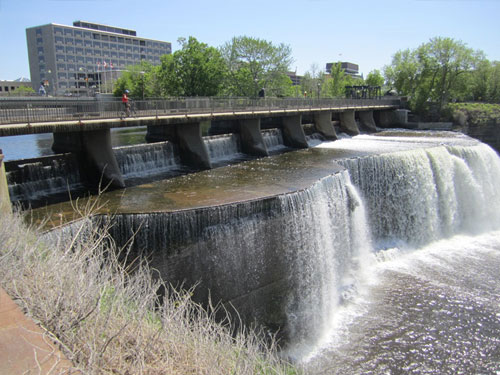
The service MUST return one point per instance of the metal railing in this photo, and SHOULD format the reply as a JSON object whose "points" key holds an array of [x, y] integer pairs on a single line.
{"points": [[28, 111]]}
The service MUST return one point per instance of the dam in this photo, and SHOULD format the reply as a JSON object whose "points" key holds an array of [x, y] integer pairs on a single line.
{"points": [[374, 253]]}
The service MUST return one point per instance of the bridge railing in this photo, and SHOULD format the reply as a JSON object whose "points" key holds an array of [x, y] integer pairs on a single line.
{"points": [[31, 111]]}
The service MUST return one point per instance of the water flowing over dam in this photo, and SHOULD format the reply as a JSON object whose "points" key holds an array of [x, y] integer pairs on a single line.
{"points": [[372, 254]]}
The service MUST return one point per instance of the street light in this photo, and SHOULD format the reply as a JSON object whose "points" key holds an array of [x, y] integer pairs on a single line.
{"points": [[319, 88]]}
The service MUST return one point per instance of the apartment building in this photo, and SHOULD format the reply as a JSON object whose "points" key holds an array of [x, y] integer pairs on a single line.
{"points": [[83, 58]]}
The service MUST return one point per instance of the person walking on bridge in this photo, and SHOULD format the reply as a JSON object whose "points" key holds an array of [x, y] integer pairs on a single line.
{"points": [[126, 103]]}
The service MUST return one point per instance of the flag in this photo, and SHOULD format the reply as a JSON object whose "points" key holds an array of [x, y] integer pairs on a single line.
{"points": [[110, 65], [104, 64], [98, 65]]}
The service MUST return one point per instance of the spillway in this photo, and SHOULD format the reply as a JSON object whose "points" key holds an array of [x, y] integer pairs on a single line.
{"points": [[337, 247]]}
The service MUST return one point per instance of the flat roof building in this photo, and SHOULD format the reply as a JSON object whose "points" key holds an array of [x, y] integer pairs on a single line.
{"points": [[349, 68], [73, 59]]}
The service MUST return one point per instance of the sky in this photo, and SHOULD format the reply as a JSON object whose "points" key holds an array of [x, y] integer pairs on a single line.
{"points": [[367, 33]]}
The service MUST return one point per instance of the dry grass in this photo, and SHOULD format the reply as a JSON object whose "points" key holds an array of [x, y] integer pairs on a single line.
{"points": [[109, 320]]}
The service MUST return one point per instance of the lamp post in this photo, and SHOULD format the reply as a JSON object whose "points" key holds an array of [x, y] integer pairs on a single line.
{"points": [[319, 88]]}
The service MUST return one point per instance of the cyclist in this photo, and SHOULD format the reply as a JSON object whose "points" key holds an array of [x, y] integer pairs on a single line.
{"points": [[126, 103]]}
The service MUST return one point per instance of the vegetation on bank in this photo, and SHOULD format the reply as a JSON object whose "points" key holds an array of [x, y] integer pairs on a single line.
{"points": [[109, 319], [472, 114]]}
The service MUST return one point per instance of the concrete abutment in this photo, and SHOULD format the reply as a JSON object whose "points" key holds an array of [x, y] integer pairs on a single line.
{"points": [[252, 142], [5, 205]]}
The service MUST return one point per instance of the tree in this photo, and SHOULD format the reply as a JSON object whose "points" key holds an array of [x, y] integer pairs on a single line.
{"points": [[254, 64], [374, 78], [436, 71], [140, 80], [22, 91], [195, 70]]}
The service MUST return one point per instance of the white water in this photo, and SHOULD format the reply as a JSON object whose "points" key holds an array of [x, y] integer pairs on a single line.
{"points": [[422, 229]]}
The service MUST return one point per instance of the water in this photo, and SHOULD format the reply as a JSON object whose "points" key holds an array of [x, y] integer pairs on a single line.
{"points": [[387, 267], [426, 299]]}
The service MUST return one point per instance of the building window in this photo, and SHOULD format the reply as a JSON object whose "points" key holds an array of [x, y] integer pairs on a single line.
{"points": [[68, 32], [61, 66], [38, 32], [88, 51], [105, 37], [97, 44], [121, 40], [105, 45], [97, 52], [87, 34], [79, 51], [59, 49], [79, 42], [59, 40], [70, 50], [69, 40], [112, 38], [78, 33], [60, 57], [58, 31], [87, 43], [96, 36], [39, 41], [40, 50], [143, 43]]}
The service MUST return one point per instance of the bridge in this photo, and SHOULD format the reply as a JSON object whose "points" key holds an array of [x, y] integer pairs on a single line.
{"points": [[82, 127]]}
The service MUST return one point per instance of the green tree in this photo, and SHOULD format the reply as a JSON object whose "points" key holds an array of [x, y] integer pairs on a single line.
{"points": [[140, 80], [22, 91], [254, 64], [374, 78], [435, 71], [195, 70]]}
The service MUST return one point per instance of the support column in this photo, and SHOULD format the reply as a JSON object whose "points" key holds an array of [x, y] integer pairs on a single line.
{"points": [[193, 151], [324, 126], [252, 142], [293, 134], [95, 156], [5, 205], [348, 122], [367, 121], [393, 118]]}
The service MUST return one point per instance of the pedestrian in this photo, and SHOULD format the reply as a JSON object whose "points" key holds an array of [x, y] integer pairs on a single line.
{"points": [[126, 103]]}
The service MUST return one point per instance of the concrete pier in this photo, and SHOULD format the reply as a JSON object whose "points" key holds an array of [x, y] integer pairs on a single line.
{"points": [[293, 134], [97, 161], [348, 122], [324, 126], [367, 121], [193, 151], [252, 142]]}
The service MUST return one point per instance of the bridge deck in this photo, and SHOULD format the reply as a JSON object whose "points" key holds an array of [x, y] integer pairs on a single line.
{"points": [[92, 115]]}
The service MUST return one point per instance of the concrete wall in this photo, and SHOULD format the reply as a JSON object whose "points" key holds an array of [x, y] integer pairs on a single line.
{"points": [[5, 206]]}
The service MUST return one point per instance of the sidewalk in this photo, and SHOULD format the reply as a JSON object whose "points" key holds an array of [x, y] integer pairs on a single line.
{"points": [[24, 348]]}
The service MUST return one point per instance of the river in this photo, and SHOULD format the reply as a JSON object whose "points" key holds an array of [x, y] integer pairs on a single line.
{"points": [[389, 266]]}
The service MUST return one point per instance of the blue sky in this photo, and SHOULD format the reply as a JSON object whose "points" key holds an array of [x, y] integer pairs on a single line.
{"points": [[367, 33]]}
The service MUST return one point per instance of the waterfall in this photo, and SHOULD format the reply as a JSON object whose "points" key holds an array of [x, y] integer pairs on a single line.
{"points": [[224, 147], [146, 160], [419, 196], [328, 245], [43, 177], [273, 138]]}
